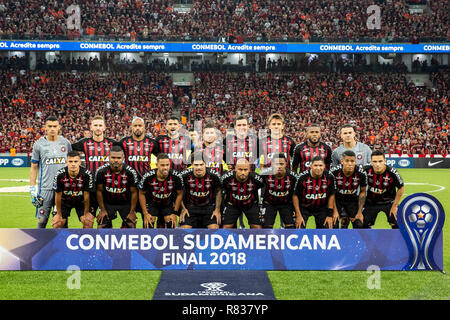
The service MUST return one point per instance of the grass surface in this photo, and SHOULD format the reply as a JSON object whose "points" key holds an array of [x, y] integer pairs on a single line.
{"points": [[16, 211]]}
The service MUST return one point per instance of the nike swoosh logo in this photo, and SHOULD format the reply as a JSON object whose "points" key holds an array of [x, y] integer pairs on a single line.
{"points": [[430, 164]]}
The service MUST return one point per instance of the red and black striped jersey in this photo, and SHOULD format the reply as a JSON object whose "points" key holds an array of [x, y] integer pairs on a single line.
{"points": [[138, 153], [200, 191], [348, 188], [314, 192], [382, 188], [72, 189], [214, 158], [158, 192], [269, 146], [96, 152], [177, 150], [278, 191], [303, 154], [241, 194], [236, 148], [116, 186]]}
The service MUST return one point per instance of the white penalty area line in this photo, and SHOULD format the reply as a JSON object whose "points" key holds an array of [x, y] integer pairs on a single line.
{"points": [[439, 187]]}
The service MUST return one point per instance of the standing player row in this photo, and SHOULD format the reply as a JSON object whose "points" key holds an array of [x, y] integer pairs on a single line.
{"points": [[138, 149]]}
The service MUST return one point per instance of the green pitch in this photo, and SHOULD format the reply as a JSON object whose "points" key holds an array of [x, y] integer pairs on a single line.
{"points": [[16, 211]]}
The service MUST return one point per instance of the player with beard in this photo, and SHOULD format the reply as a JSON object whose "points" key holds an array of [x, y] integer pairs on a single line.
{"points": [[116, 190], [241, 145], [385, 189], [139, 148], [279, 183], [315, 196], [160, 194], [202, 196], [96, 150], [213, 149], [176, 145], [241, 188], [351, 185], [72, 186], [48, 156], [313, 146], [276, 142]]}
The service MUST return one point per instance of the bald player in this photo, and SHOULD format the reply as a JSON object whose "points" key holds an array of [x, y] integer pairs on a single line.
{"points": [[240, 188], [139, 148]]}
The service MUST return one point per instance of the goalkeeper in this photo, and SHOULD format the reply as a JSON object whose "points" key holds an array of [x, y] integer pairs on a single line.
{"points": [[48, 156]]}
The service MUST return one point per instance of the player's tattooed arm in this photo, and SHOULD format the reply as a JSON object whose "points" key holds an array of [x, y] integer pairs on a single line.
{"points": [[361, 202], [299, 222], [216, 211], [102, 214], [397, 199]]}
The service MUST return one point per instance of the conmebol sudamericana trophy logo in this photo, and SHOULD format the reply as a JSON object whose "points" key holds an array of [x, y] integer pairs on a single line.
{"points": [[421, 218]]}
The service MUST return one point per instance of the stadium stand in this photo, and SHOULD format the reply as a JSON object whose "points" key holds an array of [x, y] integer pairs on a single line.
{"points": [[385, 107], [246, 20]]}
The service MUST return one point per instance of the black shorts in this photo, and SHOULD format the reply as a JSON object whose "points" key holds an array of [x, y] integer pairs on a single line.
{"points": [[319, 214], [231, 214], [199, 217], [159, 211], [112, 209], [66, 209], [269, 213], [347, 209], [370, 213]]}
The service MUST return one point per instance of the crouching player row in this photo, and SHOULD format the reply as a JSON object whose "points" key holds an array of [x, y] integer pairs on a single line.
{"points": [[114, 185]]}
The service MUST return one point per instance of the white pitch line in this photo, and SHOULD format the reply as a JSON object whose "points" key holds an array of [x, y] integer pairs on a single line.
{"points": [[15, 189], [440, 188]]}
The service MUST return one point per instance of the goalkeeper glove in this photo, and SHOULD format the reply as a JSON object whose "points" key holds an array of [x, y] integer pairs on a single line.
{"points": [[36, 199]]}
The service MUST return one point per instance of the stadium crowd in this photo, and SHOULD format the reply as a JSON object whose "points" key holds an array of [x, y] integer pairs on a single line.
{"points": [[235, 21], [386, 109], [29, 96]]}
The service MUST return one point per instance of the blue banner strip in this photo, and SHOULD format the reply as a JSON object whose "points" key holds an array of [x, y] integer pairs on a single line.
{"points": [[203, 249], [31, 45]]}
